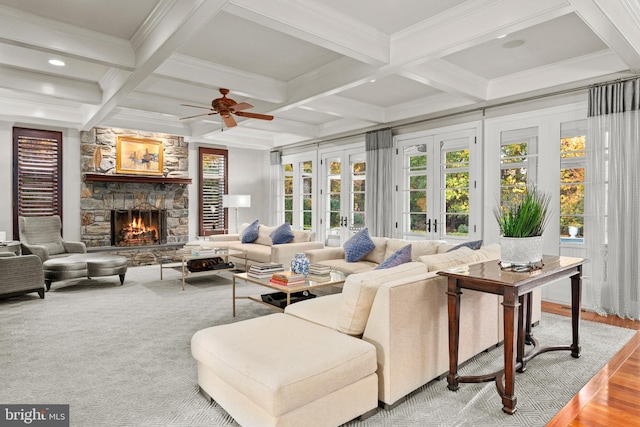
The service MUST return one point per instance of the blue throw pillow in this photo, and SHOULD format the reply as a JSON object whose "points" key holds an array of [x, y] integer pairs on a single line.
{"points": [[250, 234], [282, 234], [358, 246], [398, 257], [472, 245]]}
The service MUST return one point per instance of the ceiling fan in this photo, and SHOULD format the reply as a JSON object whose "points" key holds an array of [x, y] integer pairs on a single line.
{"points": [[226, 107]]}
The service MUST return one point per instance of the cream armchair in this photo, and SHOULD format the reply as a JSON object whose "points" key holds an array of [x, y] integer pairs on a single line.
{"points": [[40, 235], [20, 275]]}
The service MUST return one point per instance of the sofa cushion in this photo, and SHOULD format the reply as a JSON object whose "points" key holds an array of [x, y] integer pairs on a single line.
{"points": [[359, 245], [359, 291], [301, 236], [264, 235], [323, 311], [341, 264], [377, 255], [282, 234], [460, 256], [476, 244], [250, 233], [401, 256], [53, 248], [488, 252], [418, 247], [255, 251]]}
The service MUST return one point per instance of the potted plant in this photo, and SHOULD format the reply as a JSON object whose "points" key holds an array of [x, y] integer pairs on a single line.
{"points": [[522, 223]]}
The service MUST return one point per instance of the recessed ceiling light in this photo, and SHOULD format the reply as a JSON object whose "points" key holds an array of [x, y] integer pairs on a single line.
{"points": [[513, 43], [57, 62], [372, 80], [502, 36]]}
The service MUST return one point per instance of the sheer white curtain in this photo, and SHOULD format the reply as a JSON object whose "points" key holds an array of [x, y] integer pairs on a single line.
{"points": [[276, 215], [379, 183], [612, 199]]}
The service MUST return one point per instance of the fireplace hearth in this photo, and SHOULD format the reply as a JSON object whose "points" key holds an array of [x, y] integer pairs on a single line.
{"points": [[138, 227]]}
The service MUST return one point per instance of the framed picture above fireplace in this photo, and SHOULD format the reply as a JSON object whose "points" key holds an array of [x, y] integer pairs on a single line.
{"points": [[139, 156]]}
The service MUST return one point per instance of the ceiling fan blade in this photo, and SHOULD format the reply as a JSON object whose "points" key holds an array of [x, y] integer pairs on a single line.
{"points": [[254, 115], [229, 121], [241, 106], [195, 106], [198, 115]]}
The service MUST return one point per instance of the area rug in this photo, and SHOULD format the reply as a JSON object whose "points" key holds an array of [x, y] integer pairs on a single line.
{"points": [[120, 356]]}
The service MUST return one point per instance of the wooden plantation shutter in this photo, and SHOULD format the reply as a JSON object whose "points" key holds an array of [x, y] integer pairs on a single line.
{"points": [[213, 184], [37, 174]]}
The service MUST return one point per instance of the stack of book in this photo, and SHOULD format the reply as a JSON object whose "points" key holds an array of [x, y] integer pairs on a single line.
{"points": [[199, 251], [319, 273], [287, 278], [264, 270]]}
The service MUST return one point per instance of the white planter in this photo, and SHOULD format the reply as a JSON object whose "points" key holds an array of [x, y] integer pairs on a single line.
{"points": [[573, 231], [520, 250]]}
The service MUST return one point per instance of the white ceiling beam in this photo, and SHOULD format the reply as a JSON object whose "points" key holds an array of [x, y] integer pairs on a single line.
{"points": [[179, 22], [47, 35], [425, 106], [617, 24], [344, 107], [124, 118], [206, 74], [38, 112], [470, 24], [449, 78], [47, 85], [562, 73], [343, 125], [319, 25]]}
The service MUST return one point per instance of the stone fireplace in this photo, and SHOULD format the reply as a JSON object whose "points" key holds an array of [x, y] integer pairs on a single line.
{"points": [[138, 216]]}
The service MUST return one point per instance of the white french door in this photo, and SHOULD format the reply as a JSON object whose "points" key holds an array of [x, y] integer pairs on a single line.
{"points": [[437, 186], [342, 194]]}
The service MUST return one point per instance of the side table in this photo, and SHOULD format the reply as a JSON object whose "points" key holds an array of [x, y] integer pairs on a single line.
{"points": [[516, 291], [11, 246]]}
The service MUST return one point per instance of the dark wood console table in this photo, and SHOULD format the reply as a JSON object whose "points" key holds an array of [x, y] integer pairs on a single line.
{"points": [[516, 291]]}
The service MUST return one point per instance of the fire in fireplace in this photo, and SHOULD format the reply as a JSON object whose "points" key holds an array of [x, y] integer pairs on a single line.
{"points": [[138, 227]]}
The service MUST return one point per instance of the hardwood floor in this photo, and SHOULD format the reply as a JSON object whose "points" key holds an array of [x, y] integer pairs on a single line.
{"points": [[612, 397]]}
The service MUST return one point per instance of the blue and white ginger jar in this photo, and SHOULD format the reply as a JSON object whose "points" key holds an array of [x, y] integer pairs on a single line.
{"points": [[300, 264]]}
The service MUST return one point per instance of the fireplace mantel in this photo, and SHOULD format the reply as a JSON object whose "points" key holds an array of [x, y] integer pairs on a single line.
{"points": [[144, 179]]}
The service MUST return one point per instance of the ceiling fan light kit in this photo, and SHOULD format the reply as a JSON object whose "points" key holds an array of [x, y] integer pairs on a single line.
{"points": [[226, 108]]}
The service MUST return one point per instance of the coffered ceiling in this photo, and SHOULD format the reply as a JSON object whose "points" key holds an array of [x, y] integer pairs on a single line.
{"points": [[322, 68]]}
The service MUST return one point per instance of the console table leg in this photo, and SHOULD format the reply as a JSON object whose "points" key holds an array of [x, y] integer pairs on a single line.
{"points": [[576, 296], [233, 286], [510, 306], [522, 318], [453, 306]]}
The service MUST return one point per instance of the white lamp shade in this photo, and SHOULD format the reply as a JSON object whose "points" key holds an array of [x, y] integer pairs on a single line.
{"points": [[236, 200]]}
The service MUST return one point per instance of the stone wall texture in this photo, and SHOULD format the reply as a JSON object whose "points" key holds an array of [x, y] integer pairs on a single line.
{"points": [[98, 198]]}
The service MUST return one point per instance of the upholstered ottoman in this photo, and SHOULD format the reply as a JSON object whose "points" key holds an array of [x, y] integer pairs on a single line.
{"points": [[84, 265], [280, 370]]}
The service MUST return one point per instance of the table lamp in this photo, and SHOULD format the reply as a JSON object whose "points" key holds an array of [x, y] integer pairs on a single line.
{"points": [[236, 201]]}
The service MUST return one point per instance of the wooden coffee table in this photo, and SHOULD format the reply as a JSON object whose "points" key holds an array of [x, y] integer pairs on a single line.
{"points": [[516, 291], [336, 278]]}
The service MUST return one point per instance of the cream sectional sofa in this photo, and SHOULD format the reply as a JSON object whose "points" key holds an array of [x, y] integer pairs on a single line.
{"points": [[262, 249], [401, 312]]}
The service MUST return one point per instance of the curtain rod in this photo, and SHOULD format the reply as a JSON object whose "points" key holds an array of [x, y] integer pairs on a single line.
{"points": [[460, 113]]}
